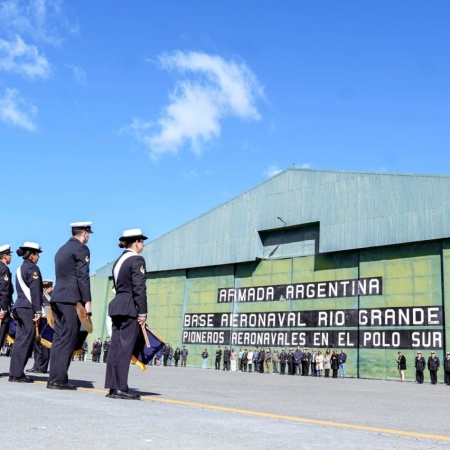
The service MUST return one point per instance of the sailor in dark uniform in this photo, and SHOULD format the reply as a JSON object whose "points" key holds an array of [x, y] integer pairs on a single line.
{"points": [[6, 291], [27, 310], [72, 285], [85, 348], [40, 351], [106, 345], [128, 312], [96, 350]]}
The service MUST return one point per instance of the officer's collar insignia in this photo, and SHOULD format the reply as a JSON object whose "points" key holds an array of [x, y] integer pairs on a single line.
{"points": [[142, 269], [86, 258]]}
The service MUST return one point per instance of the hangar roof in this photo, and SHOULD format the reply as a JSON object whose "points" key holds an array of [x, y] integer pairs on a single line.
{"points": [[351, 210]]}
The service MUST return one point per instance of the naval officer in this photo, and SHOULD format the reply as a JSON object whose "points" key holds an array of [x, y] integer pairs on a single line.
{"points": [[72, 285], [27, 310], [6, 291], [128, 312]]}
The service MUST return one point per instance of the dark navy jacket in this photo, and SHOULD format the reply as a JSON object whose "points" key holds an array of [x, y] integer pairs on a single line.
{"points": [[419, 363], [6, 287], [72, 273], [131, 290], [31, 276], [342, 358], [447, 364], [433, 363]]}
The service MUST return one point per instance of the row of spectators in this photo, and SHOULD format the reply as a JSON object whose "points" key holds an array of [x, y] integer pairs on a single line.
{"points": [[295, 362]]}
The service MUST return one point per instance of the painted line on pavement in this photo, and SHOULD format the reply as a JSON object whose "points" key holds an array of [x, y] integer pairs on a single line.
{"points": [[282, 417], [301, 419]]}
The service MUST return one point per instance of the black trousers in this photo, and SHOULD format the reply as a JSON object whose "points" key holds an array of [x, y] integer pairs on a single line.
{"points": [[419, 376], [65, 339], [305, 368], [105, 356], [41, 356], [3, 330], [282, 368], [125, 331], [23, 344], [433, 376], [447, 377], [217, 364]]}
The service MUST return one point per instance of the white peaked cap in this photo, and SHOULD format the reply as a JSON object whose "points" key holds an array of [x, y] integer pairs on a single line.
{"points": [[31, 246], [133, 233], [86, 226], [80, 224]]}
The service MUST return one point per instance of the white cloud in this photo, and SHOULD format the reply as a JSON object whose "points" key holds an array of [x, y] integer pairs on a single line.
{"points": [[212, 88], [271, 171], [18, 57], [79, 74], [14, 110], [37, 19]]}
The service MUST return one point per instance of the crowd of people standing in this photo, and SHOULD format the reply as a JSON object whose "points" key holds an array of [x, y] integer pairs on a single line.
{"points": [[295, 362]]}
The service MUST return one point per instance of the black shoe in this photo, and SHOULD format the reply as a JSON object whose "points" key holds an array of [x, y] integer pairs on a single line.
{"points": [[32, 370], [116, 393], [61, 386], [23, 379]]}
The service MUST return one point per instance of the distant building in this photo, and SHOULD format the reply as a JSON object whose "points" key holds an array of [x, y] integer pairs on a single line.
{"points": [[323, 259]]}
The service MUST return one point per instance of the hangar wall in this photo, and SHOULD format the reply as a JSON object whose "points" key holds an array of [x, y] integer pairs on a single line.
{"points": [[371, 302]]}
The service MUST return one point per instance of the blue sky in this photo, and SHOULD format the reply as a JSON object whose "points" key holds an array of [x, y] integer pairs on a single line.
{"points": [[148, 114]]}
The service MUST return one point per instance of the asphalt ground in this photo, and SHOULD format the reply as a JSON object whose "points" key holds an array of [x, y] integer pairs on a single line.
{"points": [[191, 408]]}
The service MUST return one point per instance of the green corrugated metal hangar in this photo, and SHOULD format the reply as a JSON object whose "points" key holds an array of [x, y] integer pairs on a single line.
{"points": [[310, 258]]}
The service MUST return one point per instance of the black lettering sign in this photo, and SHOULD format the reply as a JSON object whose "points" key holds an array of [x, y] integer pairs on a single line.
{"points": [[417, 316], [302, 291], [368, 339]]}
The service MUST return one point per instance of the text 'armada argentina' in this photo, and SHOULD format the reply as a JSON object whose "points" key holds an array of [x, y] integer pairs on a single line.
{"points": [[302, 291]]}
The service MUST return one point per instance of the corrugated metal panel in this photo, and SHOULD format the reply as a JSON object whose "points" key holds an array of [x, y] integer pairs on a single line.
{"points": [[354, 209]]}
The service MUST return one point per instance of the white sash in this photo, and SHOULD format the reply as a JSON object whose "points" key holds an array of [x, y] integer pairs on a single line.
{"points": [[47, 297], [119, 263], [23, 286], [46, 308]]}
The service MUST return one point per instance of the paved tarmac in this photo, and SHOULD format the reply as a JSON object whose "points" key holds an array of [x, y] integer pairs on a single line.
{"points": [[191, 408]]}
